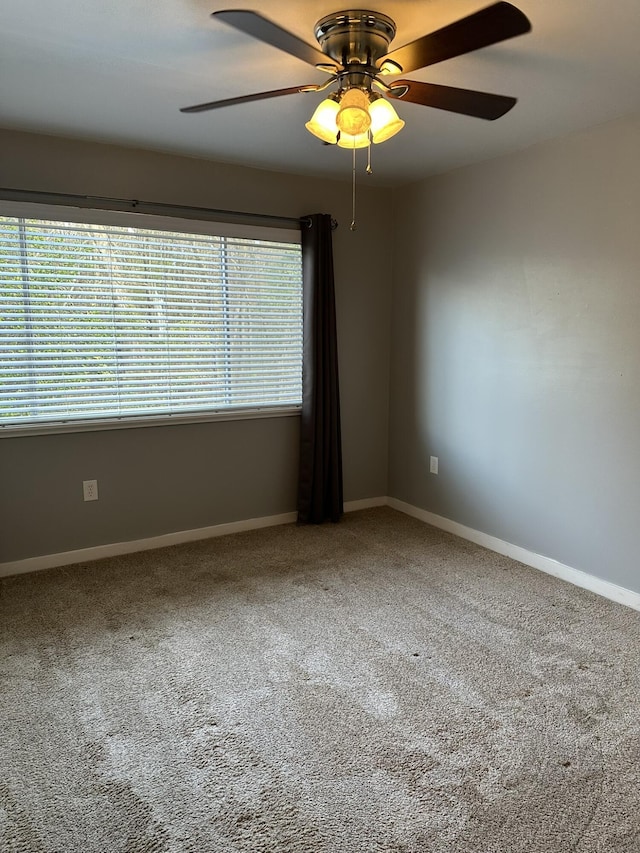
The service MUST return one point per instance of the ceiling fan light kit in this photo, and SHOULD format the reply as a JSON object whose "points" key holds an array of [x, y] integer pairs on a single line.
{"points": [[335, 121]]}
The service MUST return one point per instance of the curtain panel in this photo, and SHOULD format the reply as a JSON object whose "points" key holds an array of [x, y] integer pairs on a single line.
{"points": [[320, 496]]}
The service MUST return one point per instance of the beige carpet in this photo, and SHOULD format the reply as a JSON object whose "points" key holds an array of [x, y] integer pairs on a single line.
{"points": [[372, 686]]}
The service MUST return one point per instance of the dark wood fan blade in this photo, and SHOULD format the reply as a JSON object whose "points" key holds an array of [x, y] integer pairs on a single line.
{"points": [[488, 26], [260, 28], [464, 101], [244, 99]]}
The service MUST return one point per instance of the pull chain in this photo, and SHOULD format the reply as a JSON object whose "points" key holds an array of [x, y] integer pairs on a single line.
{"points": [[353, 225]]}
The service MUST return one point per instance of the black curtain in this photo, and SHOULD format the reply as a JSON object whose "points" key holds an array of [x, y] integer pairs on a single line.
{"points": [[320, 477]]}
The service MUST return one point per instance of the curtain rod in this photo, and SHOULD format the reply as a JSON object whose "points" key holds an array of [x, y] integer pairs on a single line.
{"points": [[138, 206]]}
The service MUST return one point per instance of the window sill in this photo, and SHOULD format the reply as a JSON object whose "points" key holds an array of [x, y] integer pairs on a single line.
{"points": [[141, 421]]}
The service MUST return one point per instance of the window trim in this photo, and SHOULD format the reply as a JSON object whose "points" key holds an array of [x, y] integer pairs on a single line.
{"points": [[143, 421], [157, 222]]}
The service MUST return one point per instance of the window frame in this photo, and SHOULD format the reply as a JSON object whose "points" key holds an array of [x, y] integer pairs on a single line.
{"points": [[158, 222]]}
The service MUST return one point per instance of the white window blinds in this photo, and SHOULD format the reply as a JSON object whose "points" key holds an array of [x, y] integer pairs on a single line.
{"points": [[109, 321]]}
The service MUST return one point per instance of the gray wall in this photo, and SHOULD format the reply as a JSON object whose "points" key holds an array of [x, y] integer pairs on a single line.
{"points": [[516, 349], [165, 479], [515, 358]]}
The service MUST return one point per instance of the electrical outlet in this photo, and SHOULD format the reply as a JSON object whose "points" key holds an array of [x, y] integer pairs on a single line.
{"points": [[433, 464], [90, 490]]}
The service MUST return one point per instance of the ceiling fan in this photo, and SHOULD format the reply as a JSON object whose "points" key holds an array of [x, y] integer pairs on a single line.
{"points": [[354, 51]]}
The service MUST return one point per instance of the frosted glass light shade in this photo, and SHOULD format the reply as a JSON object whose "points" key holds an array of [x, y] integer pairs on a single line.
{"points": [[385, 122], [360, 140], [353, 116], [323, 121]]}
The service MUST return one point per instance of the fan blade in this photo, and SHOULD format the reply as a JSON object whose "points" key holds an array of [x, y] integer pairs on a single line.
{"points": [[245, 99], [464, 101], [488, 26], [260, 28]]}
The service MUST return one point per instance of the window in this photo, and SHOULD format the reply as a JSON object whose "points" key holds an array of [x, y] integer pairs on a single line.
{"points": [[121, 321]]}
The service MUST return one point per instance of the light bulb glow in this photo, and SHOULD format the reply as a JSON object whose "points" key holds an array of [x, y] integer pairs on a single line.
{"points": [[385, 122], [360, 140], [353, 116], [323, 122]]}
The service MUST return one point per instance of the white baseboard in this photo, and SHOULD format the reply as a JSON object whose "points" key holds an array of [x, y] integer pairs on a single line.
{"points": [[545, 564], [365, 503], [522, 555], [116, 549]]}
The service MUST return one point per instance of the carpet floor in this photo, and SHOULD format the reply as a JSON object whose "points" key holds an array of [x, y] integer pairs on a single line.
{"points": [[376, 685]]}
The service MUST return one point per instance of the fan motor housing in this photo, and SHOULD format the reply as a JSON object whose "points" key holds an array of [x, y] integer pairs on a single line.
{"points": [[356, 36]]}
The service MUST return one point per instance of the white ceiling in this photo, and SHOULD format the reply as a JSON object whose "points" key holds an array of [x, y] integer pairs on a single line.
{"points": [[118, 71]]}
